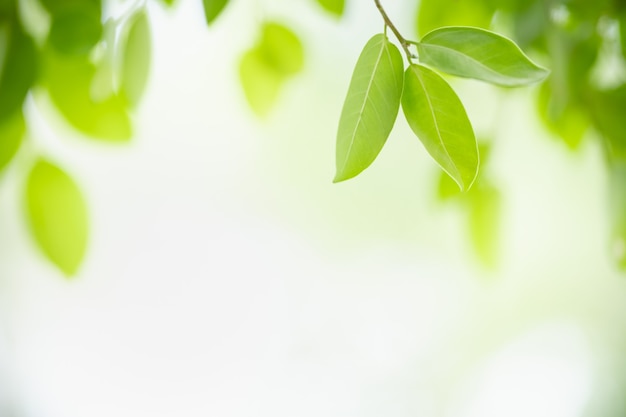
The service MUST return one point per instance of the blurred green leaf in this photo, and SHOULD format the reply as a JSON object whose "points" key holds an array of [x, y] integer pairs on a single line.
{"points": [[622, 32], [433, 14], [76, 30], [213, 8], [485, 211], [263, 69], [169, 3], [569, 123], [607, 109], [136, 59], [261, 83], [19, 71], [281, 49], [56, 7], [480, 54], [57, 215], [447, 188], [69, 82], [11, 134], [438, 118], [371, 107], [617, 194], [335, 7]]}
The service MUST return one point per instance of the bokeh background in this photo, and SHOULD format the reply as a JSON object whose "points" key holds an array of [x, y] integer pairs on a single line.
{"points": [[227, 275]]}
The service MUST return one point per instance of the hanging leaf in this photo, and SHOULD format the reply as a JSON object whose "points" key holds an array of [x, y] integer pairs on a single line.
{"points": [[335, 7], [19, 70], [480, 54], [569, 122], [607, 111], [432, 14], [371, 107], [136, 59], [11, 135], [438, 118], [213, 8], [57, 215]]}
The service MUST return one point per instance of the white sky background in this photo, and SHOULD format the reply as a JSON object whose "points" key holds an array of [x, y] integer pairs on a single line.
{"points": [[228, 276]]}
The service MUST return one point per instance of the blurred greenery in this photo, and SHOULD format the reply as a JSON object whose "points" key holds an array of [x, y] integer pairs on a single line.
{"points": [[95, 69]]}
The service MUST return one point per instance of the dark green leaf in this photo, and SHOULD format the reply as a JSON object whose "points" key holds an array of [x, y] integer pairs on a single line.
{"points": [[371, 107], [136, 59], [438, 118], [11, 135], [434, 14], [57, 214], [19, 70], [480, 54], [213, 8], [607, 109], [76, 30], [335, 7]]}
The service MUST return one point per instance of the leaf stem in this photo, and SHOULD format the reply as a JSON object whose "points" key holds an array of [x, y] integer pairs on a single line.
{"points": [[388, 23]]}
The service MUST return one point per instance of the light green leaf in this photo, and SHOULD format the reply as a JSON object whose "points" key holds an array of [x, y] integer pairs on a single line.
{"points": [[261, 83], [57, 215], [335, 7], [69, 81], [617, 194], [136, 59], [277, 56], [607, 111], [432, 14], [213, 8], [281, 49], [438, 118], [485, 210], [371, 107], [11, 135], [480, 54]]}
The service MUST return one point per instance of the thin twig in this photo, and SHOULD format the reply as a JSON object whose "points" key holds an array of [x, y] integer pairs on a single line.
{"points": [[403, 42]]}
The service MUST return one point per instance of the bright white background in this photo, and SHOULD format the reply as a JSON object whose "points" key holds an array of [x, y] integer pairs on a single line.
{"points": [[228, 276]]}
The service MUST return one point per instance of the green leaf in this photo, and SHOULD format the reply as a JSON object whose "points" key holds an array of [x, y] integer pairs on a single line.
{"points": [[570, 122], [11, 134], [433, 14], [335, 7], [371, 107], [261, 83], [76, 30], [277, 56], [136, 59], [281, 49], [213, 8], [69, 82], [485, 209], [617, 194], [480, 54], [437, 116], [622, 32], [607, 111], [19, 71], [57, 215]]}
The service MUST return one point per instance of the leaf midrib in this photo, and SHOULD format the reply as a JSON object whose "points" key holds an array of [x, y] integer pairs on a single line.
{"points": [[432, 112], [369, 88]]}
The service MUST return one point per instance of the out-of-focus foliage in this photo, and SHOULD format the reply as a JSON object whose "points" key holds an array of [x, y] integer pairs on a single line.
{"points": [[93, 68], [335, 7], [57, 215], [213, 8], [277, 56]]}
